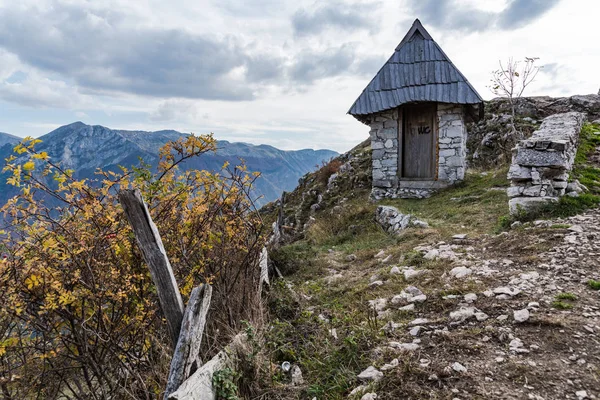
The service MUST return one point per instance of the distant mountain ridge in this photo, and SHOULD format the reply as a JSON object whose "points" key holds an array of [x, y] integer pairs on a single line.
{"points": [[85, 148], [6, 138]]}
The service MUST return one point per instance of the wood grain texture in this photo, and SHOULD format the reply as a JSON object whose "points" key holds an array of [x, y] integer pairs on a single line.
{"points": [[419, 150], [151, 245], [186, 359], [199, 385]]}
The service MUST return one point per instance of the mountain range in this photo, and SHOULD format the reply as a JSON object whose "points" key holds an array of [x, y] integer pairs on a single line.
{"points": [[85, 148]]}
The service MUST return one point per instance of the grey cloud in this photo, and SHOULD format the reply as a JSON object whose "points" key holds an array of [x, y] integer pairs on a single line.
{"points": [[97, 51], [101, 52], [312, 66], [452, 14], [520, 12], [334, 14]]}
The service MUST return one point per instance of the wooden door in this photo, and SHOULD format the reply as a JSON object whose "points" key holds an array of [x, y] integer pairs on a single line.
{"points": [[419, 152]]}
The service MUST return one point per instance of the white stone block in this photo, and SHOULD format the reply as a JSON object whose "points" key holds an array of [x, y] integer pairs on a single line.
{"points": [[447, 153], [454, 132]]}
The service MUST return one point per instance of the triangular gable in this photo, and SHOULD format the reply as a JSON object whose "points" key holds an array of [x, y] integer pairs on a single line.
{"points": [[418, 71]]}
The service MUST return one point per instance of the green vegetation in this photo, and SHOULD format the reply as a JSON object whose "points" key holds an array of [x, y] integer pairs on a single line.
{"points": [[224, 383], [594, 285], [566, 296], [561, 305], [563, 301]]}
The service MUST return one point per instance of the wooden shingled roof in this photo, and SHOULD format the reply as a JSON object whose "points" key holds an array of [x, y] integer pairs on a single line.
{"points": [[418, 71]]}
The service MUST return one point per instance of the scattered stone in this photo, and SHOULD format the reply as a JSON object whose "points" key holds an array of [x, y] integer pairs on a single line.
{"points": [[432, 254], [375, 284], [481, 316], [297, 378], [392, 364], [507, 291], [470, 297], [502, 317], [350, 257], [370, 374], [378, 304], [460, 272], [333, 333], [533, 304], [415, 331], [499, 359], [395, 271], [460, 236], [408, 347], [369, 396], [581, 394], [419, 321], [411, 274], [391, 326], [458, 367], [521, 315], [380, 254], [576, 228], [357, 390], [393, 221], [387, 259], [462, 314], [410, 307], [413, 291]]}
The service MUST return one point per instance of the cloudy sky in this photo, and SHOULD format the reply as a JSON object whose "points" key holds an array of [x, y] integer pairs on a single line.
{"points": [[280, 72]]}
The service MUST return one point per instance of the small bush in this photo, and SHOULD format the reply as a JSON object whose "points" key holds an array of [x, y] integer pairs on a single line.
{"points": [[561, 305], [328, 169], [594, 285], [566, 296]]}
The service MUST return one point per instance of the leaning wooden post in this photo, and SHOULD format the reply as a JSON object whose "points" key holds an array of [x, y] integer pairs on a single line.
{"points": [[154, 253]]}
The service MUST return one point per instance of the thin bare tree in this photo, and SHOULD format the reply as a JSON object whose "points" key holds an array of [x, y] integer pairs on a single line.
{"points": [[512, 79]]}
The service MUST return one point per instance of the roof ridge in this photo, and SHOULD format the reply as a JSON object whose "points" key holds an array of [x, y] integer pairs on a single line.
{"points": [[416, 27], [417, 71]]}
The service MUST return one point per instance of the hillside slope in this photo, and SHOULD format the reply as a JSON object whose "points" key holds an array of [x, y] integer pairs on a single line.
{"points": [[85, 148], [475, 306]]}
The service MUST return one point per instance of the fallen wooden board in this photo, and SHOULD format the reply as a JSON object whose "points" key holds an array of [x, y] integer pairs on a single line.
{"points": [[186, 359], [199, 385]]}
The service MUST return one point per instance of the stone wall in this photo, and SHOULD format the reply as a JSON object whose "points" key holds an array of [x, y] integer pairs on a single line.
{"points": [[452, 143], [540, 166], [384, 143], [451, 158]]}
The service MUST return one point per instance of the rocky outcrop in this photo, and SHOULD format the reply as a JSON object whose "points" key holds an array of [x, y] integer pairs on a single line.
{"points": [[492, 138], [540, 166], [393, 221]]}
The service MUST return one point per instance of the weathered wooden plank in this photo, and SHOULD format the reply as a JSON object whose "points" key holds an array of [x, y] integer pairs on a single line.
{"points": [[199, 385], [264, 269], [152, 248], [186, 359]]}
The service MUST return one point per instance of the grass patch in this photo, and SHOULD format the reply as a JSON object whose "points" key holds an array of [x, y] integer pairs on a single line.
{"points": [[293, 257], [471, 206], [566, 296], [594, 285], [563, 301], [561, 305]]}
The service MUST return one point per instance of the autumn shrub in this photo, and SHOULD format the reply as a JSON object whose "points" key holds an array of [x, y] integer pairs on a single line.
{"points": [[79, 316], [326, 170]]}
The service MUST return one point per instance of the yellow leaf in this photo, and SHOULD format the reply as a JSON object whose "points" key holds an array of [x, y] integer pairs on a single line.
{"points": [[29, 166]]}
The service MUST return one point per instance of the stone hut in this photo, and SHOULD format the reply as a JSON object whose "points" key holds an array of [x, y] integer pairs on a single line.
{"points": [[417, 106]]}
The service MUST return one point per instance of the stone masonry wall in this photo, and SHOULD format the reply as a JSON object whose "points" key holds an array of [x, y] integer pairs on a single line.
{"points": [[384, 143], [452, 143], [540, 166]]}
